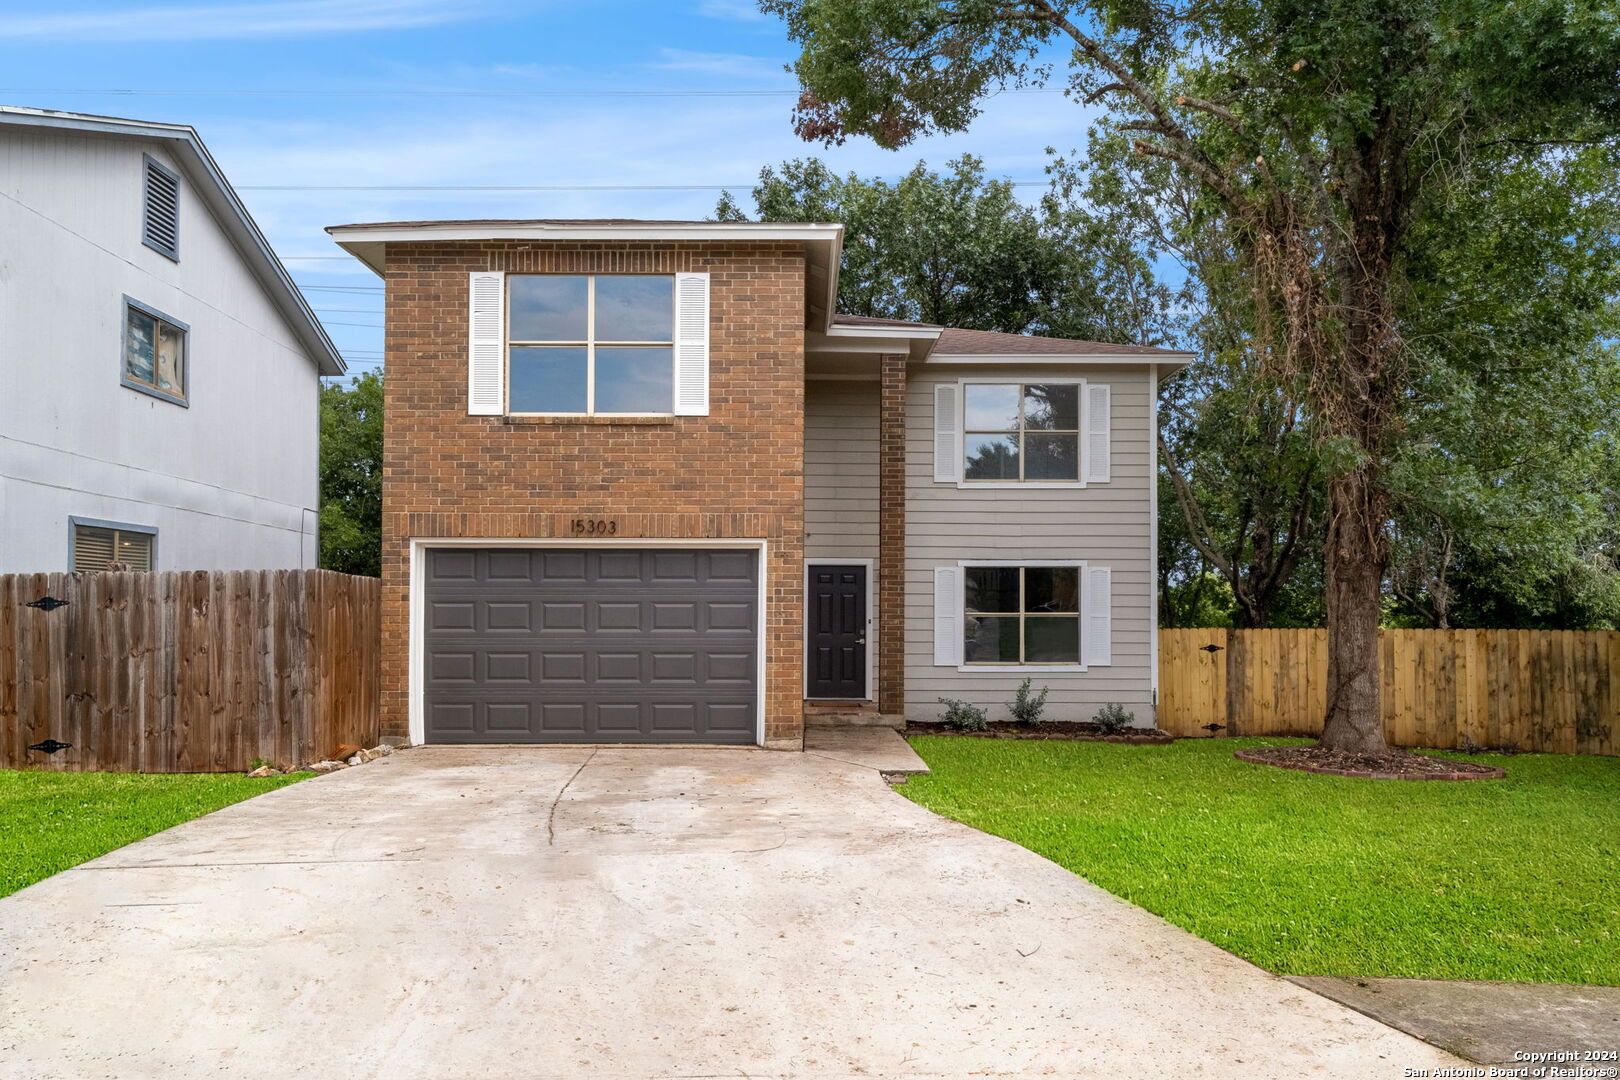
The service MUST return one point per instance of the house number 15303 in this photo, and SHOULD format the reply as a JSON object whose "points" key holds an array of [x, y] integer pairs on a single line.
{"points": [[593, 527]]}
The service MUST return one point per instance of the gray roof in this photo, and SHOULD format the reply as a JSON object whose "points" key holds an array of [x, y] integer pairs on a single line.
{"points": [[222, 200]]}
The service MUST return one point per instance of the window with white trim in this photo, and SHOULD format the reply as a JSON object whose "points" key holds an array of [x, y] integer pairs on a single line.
{"points": [[1021, 432], [1021, 615], [590, 344]]}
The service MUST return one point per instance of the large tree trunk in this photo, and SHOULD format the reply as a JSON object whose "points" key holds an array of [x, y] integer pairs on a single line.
{"points": [[1354, 559]]}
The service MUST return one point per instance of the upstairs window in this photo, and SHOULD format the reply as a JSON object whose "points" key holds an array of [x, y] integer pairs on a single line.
{"points": [[154, 352], [160, 221], [1021, 431], [104, 545], [590, 344]]}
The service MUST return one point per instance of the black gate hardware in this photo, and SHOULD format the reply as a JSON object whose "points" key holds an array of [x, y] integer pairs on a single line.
{"points": [[1211, 647], [51, 746], [47, 603], [1213, 728]]}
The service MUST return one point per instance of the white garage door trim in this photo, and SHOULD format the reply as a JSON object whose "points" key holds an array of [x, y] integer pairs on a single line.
{"points": [[417, 719]]}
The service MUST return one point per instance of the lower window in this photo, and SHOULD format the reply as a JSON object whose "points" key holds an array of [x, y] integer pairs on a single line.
{"points": [[107, 546], [1021, 615]]}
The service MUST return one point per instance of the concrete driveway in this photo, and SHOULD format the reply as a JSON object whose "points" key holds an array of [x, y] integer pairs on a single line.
{"points": [[556, 912]]}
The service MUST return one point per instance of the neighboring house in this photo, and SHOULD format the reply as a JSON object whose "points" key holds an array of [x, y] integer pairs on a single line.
{"points": [[643, 485], [162, 371]]}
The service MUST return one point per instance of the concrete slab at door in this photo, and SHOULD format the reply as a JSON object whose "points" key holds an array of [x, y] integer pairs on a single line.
{"points": [[590, 645]]}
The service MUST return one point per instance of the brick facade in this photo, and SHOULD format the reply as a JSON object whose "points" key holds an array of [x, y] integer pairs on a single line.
{"points": [[737, 473], [891, 568]]}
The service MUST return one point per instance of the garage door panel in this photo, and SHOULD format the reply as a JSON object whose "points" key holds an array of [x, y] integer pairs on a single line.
{"points": [[451, 667], [452, 717], [626, 645], [513, 667]]}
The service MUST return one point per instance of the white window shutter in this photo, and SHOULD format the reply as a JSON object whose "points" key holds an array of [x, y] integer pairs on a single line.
{"points": [[1097, 451], [1097, 433], [947, 616], [486, 344], [691, 344], [1096, 631], [947, 434]]}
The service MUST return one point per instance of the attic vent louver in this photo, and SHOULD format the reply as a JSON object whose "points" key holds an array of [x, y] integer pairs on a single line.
{"points": [[160, 226]]}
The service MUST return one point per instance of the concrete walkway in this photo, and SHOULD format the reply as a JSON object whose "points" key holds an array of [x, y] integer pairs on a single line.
{"points": [[1494, 1023], [574, 912]]}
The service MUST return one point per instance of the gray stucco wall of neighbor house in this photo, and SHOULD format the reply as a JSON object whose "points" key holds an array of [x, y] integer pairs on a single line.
{"points": [[230, 479]]}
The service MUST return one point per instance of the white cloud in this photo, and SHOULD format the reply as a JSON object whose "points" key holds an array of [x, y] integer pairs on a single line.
{"points": [[202, 22], [742, 10], [725, 65]]}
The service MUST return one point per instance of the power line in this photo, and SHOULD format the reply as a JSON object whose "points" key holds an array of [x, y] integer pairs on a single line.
{"points": [[579, 93], [367, 325], [520, 188], [342, 288]]}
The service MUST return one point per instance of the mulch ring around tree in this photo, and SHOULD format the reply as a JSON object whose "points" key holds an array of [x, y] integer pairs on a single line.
{"points": [[1046, 729], [1395, 765]]}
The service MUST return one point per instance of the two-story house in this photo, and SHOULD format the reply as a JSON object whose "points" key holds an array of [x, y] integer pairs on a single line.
{"points": [[643, 484], [162, 372]]}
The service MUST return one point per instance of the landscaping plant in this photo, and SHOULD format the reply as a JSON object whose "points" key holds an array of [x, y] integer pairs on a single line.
{"points": [[963, 715], [1026, 707], [1113, 718]]}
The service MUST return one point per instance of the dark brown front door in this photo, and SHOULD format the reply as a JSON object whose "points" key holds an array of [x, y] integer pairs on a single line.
{"points": [[837, 645]]}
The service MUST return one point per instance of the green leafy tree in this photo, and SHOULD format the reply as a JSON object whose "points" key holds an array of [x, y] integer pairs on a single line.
{"points": [[1323, 140], [351, 475], [959, 249]]}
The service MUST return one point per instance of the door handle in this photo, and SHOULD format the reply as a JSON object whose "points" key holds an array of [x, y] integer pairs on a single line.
{"points": [[860, 641]]}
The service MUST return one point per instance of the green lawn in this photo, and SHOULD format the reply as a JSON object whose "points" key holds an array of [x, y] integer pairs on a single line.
{"points": [[1513, 879], [50, 821]]}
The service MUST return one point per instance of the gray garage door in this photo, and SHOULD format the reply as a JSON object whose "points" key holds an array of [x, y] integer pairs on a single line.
{"points": [[597, 645]]}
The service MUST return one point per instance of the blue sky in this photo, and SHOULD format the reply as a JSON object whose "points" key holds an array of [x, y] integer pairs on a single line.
{"points": [[443, 93]]}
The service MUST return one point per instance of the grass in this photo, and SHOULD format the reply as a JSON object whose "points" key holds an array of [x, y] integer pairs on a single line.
{"points": [[1510, 879], [53, 820]]}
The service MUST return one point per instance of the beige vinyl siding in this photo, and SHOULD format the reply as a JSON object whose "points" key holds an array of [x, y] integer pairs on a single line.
{"points": [[841, 470], [1104, 523]]}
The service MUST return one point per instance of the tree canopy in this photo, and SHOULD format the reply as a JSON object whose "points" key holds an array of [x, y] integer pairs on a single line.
{"points": [[1335, 148], [351, 475]]}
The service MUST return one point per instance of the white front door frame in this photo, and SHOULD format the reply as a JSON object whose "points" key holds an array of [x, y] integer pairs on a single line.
{"points": [[871, 624], [419, 545]]}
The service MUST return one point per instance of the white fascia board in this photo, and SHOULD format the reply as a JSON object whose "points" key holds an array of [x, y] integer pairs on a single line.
{"points": [[700, 230], [1168, 362], [927, 332]]}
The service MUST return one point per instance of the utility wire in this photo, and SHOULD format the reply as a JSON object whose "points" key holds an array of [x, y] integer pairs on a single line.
{"points": [[581, 93], [520, 187]]}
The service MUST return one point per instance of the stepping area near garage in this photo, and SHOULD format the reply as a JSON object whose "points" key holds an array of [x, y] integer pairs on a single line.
{"points": [[634, 911]]}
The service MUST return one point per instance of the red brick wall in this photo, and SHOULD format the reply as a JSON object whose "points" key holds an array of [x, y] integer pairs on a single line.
{"points": [[891, 570], [736, 473]]}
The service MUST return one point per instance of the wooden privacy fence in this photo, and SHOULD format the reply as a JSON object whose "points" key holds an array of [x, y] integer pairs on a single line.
{"points": [[199, 671], [1552, 691]]}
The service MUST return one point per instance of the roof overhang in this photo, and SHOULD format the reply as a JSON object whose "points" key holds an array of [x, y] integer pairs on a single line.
{"points": [[222, 201], [822, 241], [1167, 362]]}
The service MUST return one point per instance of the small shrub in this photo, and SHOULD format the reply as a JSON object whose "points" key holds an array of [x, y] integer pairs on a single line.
{"points": [[1113, 718], [1026, 707], [963, 715], [257, 763]]}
